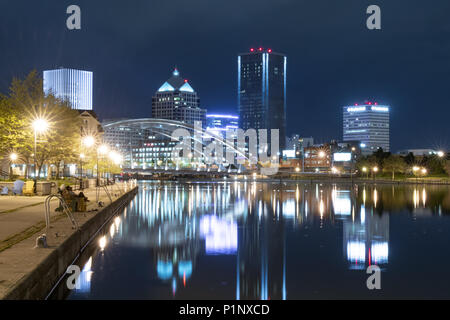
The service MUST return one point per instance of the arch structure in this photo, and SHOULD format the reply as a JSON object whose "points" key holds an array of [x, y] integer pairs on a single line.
{"points": [[165, 128]]}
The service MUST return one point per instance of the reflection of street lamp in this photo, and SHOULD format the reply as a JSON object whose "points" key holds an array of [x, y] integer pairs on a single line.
{"points": [[39, 125]]}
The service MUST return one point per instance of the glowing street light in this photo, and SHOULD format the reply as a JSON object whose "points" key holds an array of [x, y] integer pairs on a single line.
{"points": [[103, 149], [415, 169], [424, 171], [321, 154], [375, 169], [115, 157], [440, 154], [13, 157], [297, 169], [88, 141], [40, 125]]}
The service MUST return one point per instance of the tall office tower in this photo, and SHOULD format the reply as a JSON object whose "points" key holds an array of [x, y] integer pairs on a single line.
{"points": [[369, 124], [74, 86], [177, 100], [262, 91]]}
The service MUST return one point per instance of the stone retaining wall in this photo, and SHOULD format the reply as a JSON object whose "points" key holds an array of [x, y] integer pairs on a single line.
{"points": [[38, 283]]}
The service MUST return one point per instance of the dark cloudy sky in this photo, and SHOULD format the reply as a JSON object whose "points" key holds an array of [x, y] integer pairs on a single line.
{"points": [[333, 59]]}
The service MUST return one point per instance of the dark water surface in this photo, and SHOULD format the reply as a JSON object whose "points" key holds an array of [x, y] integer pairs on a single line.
{"points": [[239, 240]]}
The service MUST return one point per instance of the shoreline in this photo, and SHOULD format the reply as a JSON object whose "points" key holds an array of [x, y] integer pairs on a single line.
{"points": [[334, 180]]}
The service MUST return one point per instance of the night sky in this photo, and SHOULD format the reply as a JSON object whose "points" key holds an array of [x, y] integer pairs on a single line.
{"points": [[333, 59]]}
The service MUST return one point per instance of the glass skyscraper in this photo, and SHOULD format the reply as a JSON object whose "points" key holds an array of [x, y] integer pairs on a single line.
{"points": [[367, 123], [262, 91], [74, 86]]}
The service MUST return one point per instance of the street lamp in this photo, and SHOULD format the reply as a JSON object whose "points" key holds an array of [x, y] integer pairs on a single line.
{"points": [[40, 125], [88, 141], [375, 170], [441, 154], [102, 150], [364, 169], [13, 157]]}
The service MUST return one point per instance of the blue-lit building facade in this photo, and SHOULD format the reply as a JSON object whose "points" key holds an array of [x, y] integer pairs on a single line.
{"points": [[177, 100], [367, 123], [73, 86], [221, 123], [262, 91]]}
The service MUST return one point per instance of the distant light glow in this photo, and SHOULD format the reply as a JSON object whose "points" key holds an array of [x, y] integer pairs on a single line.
{"points": [[381, 109], [342, 156], [356, 109]]}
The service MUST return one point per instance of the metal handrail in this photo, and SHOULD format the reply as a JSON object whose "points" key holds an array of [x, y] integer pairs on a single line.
{"points": [[65, 207]]}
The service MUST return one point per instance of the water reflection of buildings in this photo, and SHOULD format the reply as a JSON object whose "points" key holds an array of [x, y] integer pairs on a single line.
{"points": [[261, 260], [180, 222], [365, 230], [177, 222]]}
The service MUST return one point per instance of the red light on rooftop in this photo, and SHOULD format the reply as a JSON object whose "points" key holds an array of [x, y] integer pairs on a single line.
{"points": [[270, 50], [376, 103], [185, 80], [370, 103], [251, 50], [356, 104], [260, 49]]}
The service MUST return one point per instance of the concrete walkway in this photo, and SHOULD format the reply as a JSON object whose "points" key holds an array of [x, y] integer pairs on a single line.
{"points": [[22, 220]]}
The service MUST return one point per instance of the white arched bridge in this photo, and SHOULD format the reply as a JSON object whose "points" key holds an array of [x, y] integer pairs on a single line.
{"points": [[200, 139]]}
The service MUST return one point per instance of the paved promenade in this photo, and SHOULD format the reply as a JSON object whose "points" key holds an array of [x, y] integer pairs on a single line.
{"points": [[22, 220]]}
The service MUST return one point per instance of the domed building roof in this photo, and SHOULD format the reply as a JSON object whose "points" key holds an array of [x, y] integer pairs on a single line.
{"points": [[176, 83]]}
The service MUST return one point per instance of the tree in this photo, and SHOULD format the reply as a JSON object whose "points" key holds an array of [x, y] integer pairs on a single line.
{"points": [[365, 164], [394, 164], [27, 102], [434, 164]]}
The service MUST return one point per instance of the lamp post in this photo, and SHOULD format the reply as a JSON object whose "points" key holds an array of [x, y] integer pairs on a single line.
{"points": [[88, 142], [364, 169], [13, 157], [416, 171], [375, 170], [39, 125], [82, 156], [102, 150], [424, 172]]}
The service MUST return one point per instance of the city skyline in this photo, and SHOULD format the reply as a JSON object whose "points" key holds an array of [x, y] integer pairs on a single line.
{"points": [[362, 65]]}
